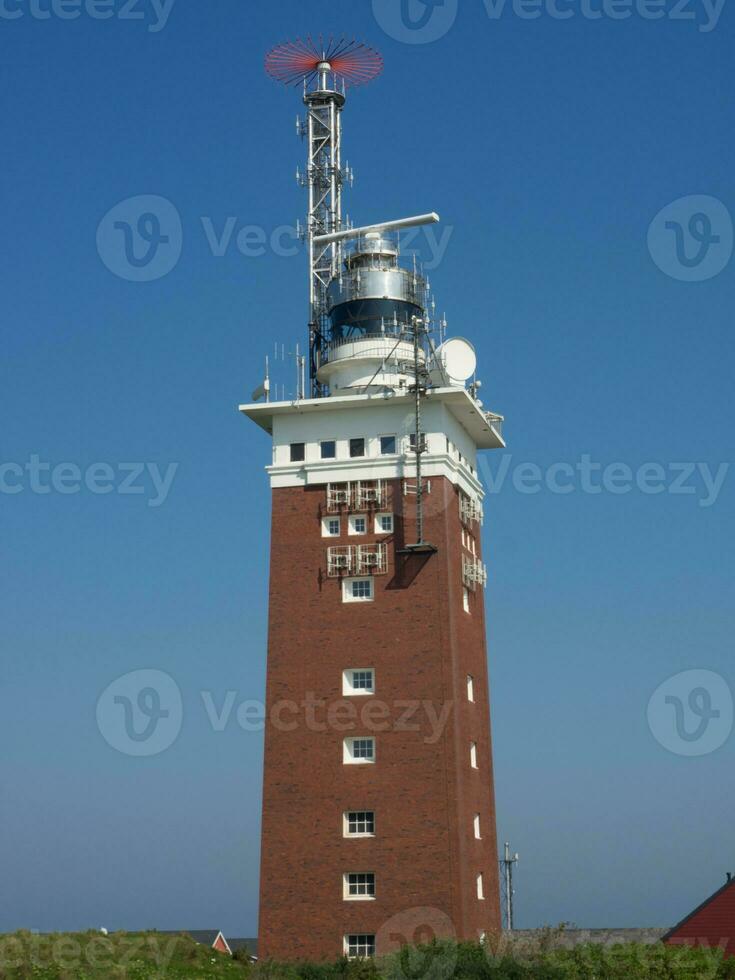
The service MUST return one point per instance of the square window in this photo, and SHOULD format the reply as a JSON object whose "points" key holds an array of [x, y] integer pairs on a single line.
{"points": [[358, 680], [357, 448], [331, 527], [357, 590], [359, 823], [422, 442], [387, 445], [359, 885], [384, 524], [358, 751], [358, 524], [298, 452], [359, 945], [362, 680], [328, 449], [363, 748]]}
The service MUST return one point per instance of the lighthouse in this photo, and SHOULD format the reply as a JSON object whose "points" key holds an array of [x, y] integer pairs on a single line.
{"points": [[378, 803]]}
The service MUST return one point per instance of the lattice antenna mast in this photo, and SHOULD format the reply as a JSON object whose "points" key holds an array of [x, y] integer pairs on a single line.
{"points": [[507, 864], [324, 70]]}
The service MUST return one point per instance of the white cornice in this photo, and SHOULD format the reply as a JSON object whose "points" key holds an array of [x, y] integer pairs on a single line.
{"points": [[321, 472], [466, 410]]}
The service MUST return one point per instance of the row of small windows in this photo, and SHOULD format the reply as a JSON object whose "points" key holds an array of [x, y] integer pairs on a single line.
{"points": [[361, 823], [356, 448], [357, 524], [361, 750]]}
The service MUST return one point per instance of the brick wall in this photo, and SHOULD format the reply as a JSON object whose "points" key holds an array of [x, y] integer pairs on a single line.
{"points": [[422, 645]]}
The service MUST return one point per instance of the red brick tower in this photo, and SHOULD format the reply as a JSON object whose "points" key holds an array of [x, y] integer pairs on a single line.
{"points": [[378, 807]]}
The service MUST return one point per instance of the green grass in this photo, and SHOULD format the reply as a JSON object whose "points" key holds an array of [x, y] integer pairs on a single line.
{"points": [[152, 956], [119, 956]]}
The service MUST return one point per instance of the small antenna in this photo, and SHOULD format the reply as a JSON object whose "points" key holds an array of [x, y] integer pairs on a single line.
{"points": [[263, 390], [506, 866]]}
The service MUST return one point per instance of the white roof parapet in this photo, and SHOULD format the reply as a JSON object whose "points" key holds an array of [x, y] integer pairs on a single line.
{"points": [[477, 423]]}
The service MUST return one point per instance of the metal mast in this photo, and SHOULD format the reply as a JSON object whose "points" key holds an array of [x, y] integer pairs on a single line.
{"points": [[506, 867], [324, 178], [325, 69]]}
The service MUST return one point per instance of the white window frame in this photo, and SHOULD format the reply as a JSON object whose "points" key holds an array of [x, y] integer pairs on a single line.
{"points": [[388, 435], [379, 529], [357, 833], [348, 896], [471, 688], [351, 525], [364, 452], [348, 688], [473, 755], [369, 941], [476, 827], [465, 598], [321, 443], [480, 888], [326, 521], [347, 583], [348, 751]]}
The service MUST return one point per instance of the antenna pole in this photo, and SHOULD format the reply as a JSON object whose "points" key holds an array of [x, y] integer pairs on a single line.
{"points": [[419, 488], [324, 178], [325, 68], [506, 865]]}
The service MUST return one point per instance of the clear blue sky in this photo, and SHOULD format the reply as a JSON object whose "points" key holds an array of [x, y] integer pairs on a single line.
{"points": [[548, 146]]}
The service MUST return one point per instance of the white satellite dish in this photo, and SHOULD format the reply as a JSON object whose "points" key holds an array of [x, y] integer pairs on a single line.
{"points": [[458, 360]]}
